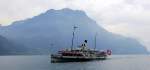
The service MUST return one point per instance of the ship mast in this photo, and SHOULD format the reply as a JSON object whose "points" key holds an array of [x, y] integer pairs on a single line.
{"points": [[95, 41], [74, 28]]}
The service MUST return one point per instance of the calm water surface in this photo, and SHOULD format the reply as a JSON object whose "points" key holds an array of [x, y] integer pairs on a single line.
{"points": [[116, 62]]}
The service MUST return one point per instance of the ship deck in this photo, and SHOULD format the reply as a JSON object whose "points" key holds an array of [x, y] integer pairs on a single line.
{"points": [[75, 58]]}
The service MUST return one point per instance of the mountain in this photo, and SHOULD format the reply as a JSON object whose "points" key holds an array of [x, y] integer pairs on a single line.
{"points": [[52, 30], [8, 47]]}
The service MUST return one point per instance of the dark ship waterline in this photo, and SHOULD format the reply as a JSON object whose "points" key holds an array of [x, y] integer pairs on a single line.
{"points": [[82, 53]]}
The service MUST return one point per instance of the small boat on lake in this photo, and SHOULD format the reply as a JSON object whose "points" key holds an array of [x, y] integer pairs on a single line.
{"points": [[82, 53]]}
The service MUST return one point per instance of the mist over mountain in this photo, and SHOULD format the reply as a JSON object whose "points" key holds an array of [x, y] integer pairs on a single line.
{"points": [[8, 47], [52, 31]]}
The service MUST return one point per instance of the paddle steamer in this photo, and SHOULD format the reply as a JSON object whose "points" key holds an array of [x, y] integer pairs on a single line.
{"points": [[82, 53]]}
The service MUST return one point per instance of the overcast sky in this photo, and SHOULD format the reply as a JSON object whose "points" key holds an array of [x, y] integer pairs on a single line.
{"points": [[130, 18]]}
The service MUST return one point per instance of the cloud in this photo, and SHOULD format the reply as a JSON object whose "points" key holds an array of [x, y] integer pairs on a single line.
{"points": [[125, 17], [13, 10]]}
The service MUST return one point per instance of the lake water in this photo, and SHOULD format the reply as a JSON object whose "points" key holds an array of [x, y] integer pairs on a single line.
{"points": [[37, 62]]}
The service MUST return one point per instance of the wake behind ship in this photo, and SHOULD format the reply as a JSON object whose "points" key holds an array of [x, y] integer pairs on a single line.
{"points": [[82, 53]]}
